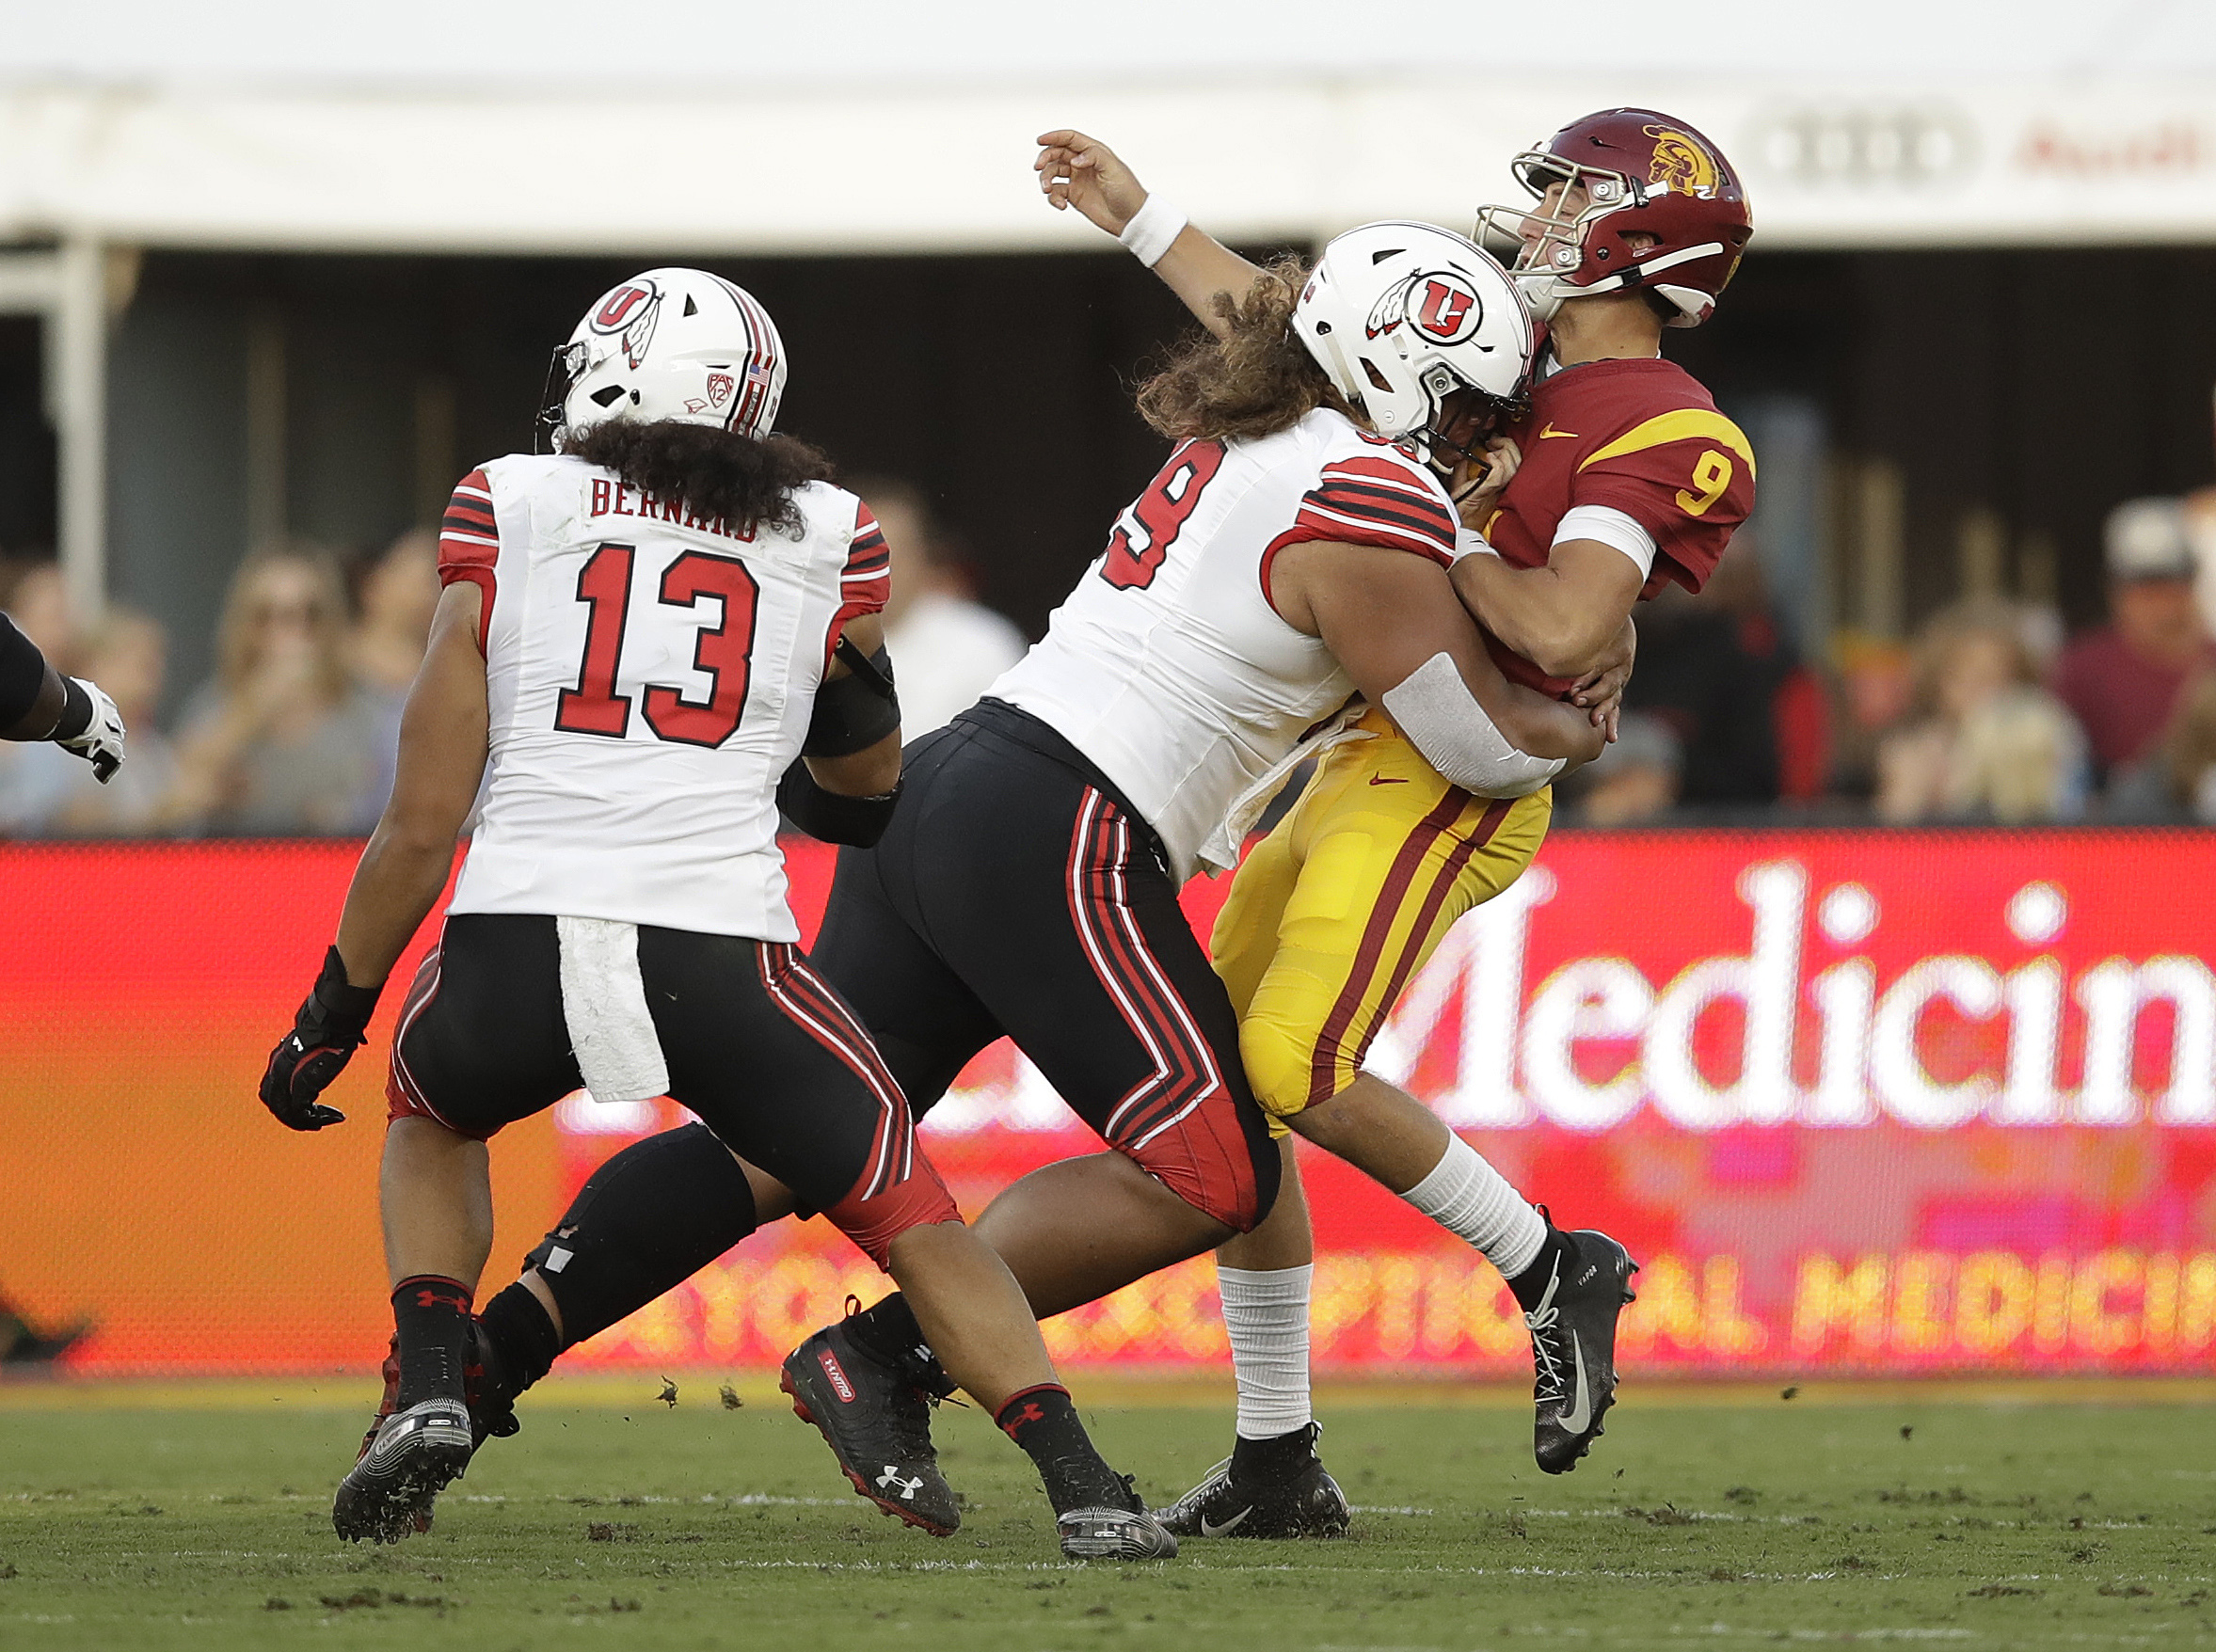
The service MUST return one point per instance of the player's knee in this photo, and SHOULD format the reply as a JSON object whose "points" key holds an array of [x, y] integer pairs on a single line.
{"points": [[650, 1217], [876, 1221], [1279, 1061]]}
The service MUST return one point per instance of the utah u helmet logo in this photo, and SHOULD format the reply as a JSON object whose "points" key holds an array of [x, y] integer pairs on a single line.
{"points": [[631, 310], [1447, 308]]}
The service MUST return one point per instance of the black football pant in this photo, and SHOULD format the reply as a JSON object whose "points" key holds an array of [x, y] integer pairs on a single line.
{"points": [[1016, 893]]}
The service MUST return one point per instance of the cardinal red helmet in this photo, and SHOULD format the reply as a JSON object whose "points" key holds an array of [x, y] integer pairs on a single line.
{"points": [[1641, 173]]}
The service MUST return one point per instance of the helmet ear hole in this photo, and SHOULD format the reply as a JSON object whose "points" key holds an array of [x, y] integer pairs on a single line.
{"points": [[1376, 377]]}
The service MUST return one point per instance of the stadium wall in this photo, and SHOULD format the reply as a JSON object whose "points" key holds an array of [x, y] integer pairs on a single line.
{"points": [[1862, 1102]]}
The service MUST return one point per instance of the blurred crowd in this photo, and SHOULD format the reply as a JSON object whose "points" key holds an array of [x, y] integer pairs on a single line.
{"points": [[1988, 715], [294, 732]]}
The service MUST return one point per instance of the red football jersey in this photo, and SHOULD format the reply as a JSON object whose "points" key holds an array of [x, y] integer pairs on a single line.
{"points": [[1642, 437]]}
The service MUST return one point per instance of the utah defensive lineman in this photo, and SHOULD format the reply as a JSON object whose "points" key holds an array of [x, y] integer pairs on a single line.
{"points": [[1291, 551], [638, 635], [1630, 478]]}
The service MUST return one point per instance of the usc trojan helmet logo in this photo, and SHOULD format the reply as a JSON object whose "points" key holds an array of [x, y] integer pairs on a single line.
{"points": [[1680, 162]]}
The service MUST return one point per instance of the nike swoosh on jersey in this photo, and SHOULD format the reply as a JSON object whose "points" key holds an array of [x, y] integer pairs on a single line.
{"points": [[1228, 1527], [1580, 1416], [1551, 431], [1387, 780]]}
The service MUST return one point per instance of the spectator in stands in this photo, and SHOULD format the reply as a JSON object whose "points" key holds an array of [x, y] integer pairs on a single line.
{"points": [[2176, 784], [1983, 740], [52, 792], [1753, 722], [1633, 782], [394, 595], [2124, 680], [282, 741], [37, 599], [947, 648]]}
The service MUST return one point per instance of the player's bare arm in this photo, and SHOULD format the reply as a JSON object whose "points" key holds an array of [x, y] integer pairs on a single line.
{"points": [[1079, 171], [1564, 616], [1383, 615], [442, 746]]}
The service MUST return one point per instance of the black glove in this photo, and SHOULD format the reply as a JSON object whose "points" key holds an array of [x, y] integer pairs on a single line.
{"points": [[325, 1033]]}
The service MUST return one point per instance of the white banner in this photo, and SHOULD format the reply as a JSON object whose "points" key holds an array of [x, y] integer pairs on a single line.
{"points": [[949, 168]]}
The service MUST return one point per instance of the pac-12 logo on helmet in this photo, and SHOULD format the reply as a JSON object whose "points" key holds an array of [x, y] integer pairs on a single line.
{"points": [[719, 386]]}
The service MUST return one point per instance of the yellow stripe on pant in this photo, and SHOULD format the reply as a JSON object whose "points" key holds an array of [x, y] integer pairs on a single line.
{"points": [[1338, 907]]}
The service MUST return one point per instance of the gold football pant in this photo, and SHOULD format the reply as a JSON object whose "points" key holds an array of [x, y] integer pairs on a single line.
{"points": [[1336, 910]]}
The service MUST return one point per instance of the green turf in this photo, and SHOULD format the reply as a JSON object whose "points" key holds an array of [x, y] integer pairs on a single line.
{"points": [[1976, 1526]]}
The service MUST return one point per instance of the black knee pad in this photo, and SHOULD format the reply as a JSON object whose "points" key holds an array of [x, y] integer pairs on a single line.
{"points": [[648, 1219]]}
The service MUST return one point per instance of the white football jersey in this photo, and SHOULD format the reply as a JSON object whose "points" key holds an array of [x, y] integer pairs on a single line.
{"points": [[1169, 667], [651, 677]]}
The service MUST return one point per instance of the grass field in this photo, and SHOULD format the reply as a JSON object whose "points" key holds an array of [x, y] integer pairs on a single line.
{"points": [[201, 1518]]}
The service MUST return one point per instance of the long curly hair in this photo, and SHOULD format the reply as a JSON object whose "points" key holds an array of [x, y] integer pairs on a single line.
{"points": [[716, 473], [1254, 381]]}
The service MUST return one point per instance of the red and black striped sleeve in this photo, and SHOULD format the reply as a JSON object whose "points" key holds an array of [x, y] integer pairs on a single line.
{"points": [[867, 579], [470, 543], [1372, 499]]}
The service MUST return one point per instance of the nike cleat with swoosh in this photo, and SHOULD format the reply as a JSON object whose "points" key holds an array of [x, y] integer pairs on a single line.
{"points": [[1574, 1345], [1250, 1499], [878, 1425]]}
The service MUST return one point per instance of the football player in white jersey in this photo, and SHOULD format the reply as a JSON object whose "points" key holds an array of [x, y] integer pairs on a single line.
{"points": [[640, 634], [1640, 226], [1292, 552]]}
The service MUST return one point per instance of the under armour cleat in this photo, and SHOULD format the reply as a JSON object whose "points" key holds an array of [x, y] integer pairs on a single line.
{"points": [[490, 1418], [1257, 1499], [389, 1491], [1574, 1345], [1114, 1535], [878, 1425]]}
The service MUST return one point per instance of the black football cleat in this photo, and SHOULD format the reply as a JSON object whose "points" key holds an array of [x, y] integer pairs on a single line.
{"points": [[1252, 1499], [491, 1417], [878, 1425], [1114, 1535], [410, 1459], [1573, 1347]]}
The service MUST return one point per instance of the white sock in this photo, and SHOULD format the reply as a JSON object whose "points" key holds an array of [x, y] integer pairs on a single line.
{"points": [[1468, 1197], [1266, 1314]]}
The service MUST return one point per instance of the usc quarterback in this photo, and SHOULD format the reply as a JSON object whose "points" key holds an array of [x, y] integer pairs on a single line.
{"points": [[1621, 477]]}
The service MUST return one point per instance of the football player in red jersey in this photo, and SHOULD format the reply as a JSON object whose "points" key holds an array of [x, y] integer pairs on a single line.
{"points": [[1622, 477]]}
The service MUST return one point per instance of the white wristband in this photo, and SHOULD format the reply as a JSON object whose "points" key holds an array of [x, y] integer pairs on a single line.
{"points": [[1152, 228], [1469, 542]]}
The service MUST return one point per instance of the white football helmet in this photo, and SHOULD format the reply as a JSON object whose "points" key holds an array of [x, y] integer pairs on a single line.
{"points": [[1400, 316], [670, 343]]}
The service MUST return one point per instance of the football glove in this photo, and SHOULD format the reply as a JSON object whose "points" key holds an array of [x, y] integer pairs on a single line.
{"points": [[329, 1029], [96, 725]]}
